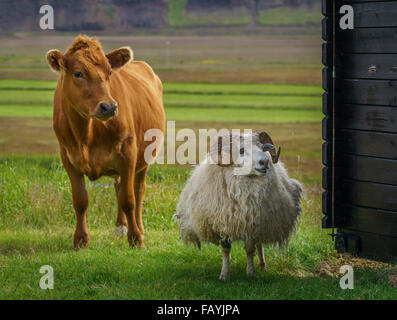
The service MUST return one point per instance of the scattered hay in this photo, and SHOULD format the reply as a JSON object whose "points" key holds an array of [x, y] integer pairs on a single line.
{"points": [[393, 280], [331, 269]]}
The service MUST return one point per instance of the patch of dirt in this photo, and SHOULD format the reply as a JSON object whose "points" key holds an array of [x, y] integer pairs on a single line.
{"points": [[393, 280], [331, 269]]}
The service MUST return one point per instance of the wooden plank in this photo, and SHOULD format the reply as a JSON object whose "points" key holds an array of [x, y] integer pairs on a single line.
{"points": [[361, 168], [327, 7], [359, 1], [372, 14], [367, 40], [327, 153], [360, 143], [369, 220], [327, 102], [369, 92], [327, 54], [326, 126], [368, 194], [326, 29], [368, 169], [367, 143], [327, 79], [374, 245], [363, 117], [366, 66], [327, 177]]}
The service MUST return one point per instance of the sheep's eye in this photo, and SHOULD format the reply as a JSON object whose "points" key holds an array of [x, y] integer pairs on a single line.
{"points": [[78, 74], [110, 73], [242, 151]]}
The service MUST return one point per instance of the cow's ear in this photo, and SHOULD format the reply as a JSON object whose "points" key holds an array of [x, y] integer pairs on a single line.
{"points": [[55, 59], [120, 57]]}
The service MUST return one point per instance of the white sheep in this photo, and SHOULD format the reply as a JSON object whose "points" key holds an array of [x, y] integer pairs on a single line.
{"points": [[220, 205]]}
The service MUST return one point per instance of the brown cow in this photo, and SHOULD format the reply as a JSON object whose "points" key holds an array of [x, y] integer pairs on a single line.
{"points": [[103, 105]]}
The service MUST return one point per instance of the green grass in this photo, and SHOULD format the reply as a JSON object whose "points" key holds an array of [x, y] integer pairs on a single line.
{"points": [[11, 96], [188, 101], [196, 88], [243, 101], [37, 223], [189, 114], [27, 84], [291, 16], [233, 88], [237, 115], [179, 17], [185, 100]]}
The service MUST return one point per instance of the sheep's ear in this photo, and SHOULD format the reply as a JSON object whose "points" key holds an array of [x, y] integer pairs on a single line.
{"points": [[55, 60], [120, 57]]}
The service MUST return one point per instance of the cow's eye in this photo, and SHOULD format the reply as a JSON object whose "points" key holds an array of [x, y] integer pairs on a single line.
{"points": [[242, 151], [78, 74]]}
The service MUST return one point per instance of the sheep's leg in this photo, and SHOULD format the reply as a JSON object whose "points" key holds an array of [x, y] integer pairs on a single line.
{"points": [[261, 258], [250, 250], [226, 248]]}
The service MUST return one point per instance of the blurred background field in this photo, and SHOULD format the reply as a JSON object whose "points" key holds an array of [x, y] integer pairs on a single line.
{"points": [[224, 64]]}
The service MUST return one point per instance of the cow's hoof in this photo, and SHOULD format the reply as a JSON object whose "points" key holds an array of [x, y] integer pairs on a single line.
{"points": [[139, 245], [136, 244], [80, 242], [120, 231]]}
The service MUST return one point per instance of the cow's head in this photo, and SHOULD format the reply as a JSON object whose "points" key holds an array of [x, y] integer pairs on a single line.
{"points": [[86, 71]]}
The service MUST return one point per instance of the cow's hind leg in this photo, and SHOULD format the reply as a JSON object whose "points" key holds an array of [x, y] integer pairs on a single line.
{"points": [[139, 189], [80, 202], [121, 222]]}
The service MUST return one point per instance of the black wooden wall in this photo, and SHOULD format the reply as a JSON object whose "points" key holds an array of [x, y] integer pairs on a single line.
{"points": [[365, 135]]}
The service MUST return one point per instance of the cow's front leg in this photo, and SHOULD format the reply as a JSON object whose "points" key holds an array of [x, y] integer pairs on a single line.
{"points": [[127, 203], [80, 202], [121, 222], [139, 189]]}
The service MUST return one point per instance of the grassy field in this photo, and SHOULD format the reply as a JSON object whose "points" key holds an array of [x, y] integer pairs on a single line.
{"points": [[201, 102], [218, 59], [34, 233], [269, 83]]}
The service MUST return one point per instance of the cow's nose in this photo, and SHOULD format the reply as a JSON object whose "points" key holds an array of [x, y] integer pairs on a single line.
{"points": [[107, 108]]}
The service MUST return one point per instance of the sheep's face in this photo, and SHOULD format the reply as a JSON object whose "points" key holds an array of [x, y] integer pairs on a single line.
{"points": [[258, 161], [252, 157], [248, 154]]}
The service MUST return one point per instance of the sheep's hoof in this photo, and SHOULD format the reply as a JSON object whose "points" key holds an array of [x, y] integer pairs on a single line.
{"points": [[262, 267], [250, 272], [223, 277], [120, 231]]}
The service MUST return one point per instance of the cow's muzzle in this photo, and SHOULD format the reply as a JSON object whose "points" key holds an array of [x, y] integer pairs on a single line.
{"points": [[106, 110]]}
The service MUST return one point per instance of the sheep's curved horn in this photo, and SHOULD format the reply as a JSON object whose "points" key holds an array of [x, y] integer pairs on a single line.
{"points": [[268, 145], [275, 155]]}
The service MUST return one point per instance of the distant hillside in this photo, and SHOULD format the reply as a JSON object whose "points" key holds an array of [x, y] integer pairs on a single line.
{"points": [[129, 15]]}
